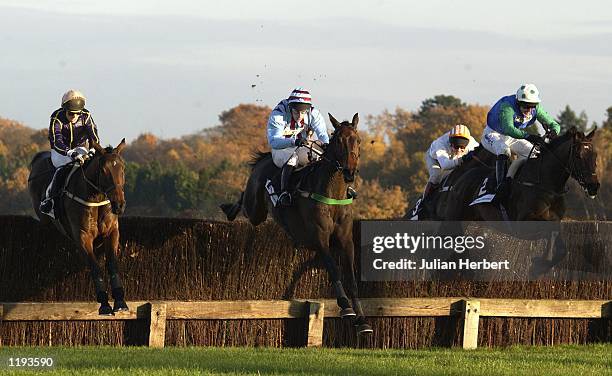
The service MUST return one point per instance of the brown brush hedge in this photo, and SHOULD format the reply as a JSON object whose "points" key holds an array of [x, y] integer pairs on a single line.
{"points": [[189, 259]]}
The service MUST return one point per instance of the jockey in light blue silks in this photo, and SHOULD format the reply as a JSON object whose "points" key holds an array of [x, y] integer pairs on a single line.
{"points": [[292, 123], [71, 132], [511, 128]]}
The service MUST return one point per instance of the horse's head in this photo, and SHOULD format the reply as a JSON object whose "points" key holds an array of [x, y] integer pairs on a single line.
{"points": [[343, 147], [111, 174], [584, 162]]}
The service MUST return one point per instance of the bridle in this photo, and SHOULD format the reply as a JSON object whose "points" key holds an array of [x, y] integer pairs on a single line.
{"points": [[322, 154], [96, 186], [570, 167]]}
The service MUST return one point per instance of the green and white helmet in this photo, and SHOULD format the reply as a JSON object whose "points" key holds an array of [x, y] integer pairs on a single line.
{"points": [[528, 93]]}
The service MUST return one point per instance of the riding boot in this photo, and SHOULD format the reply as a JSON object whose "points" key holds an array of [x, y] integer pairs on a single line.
{"points": [[429, 189], [284, 198], [503, 182], [55, 188], [351, 192]]}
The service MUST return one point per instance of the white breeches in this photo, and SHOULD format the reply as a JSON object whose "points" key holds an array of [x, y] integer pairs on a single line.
{"points": [[293, 156], [60, 160]]}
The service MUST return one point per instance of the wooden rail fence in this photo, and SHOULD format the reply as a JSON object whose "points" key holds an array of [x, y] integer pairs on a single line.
{"points": [[466, 309]]}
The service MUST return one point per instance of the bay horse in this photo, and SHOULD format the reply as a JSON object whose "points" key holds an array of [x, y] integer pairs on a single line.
{"points": [[434, 209], [87, 212], [537, 192], [323, 227]]}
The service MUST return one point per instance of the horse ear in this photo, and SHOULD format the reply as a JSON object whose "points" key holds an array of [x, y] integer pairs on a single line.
{"points": [[590, 135], [99, 149], [333, 120], [120, 147], [355, 120]]}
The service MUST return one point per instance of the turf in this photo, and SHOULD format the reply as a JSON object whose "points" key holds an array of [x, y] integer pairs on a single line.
{"points": [[558, 360]]}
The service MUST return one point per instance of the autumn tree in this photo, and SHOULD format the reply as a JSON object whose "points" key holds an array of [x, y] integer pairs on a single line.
{"points": [[568, 119]]}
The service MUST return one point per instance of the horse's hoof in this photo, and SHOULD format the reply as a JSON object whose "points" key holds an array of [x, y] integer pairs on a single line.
{"points": [[347, 313], [120, 306], [105, 310], [364, 329], [231, 211]]}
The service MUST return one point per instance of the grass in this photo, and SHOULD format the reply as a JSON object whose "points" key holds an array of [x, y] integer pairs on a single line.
{"points": [[558, 360]]}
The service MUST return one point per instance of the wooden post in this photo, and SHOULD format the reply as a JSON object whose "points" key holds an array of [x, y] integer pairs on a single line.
{"points": [[316, 313], [471, 316], [157, 327]]}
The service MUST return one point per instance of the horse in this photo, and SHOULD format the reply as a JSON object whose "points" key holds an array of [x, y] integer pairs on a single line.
{"points": [[89, 207], [314, 220], [435, 206], [537, 191]]}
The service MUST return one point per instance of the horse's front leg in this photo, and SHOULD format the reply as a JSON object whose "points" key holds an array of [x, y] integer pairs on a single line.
{"points": [[343, 241], [86, 242], [111, 247], [330, 265]]}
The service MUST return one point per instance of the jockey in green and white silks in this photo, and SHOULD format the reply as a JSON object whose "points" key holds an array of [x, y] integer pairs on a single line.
{"points": [[446, 153], [292, 123], [511, 129]]}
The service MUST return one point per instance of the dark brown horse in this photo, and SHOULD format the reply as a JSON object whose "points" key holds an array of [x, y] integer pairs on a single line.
{"points": [[434, 208], [88, 214], [538, 190], [323, 227]]}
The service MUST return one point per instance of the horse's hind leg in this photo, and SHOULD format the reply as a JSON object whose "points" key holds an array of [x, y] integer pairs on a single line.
{"points": [[254, 202], [232, 210], [111, 247], [96, 274]]}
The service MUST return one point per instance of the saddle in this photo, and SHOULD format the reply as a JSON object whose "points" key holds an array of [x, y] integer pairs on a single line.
{"points": [[486, 191], [273, 182]]}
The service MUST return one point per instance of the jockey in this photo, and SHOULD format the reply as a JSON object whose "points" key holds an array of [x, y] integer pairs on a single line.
{"points": [[511, 128], [447, 152], [292, 123], [71, 133]]}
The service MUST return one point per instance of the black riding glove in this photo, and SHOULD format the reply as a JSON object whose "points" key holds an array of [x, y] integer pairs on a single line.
{"points": [[551, 134], [300, 142], [534, 139]]}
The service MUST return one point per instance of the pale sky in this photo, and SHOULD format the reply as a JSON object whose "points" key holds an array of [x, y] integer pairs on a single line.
{"points": [[171, 68]]}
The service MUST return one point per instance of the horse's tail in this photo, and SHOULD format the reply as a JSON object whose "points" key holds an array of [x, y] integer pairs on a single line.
{"points": [[232, 210]]}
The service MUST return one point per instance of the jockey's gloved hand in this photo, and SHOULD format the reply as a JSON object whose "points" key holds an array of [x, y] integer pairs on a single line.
{"points": [[535, 139], [468, 157], [76, 156], [300, 142], [551, 134]]}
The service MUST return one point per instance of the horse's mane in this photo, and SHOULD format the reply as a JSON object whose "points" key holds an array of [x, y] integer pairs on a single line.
{"points": [[562, 139], [258, 156]]}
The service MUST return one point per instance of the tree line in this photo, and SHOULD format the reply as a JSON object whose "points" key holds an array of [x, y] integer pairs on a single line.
{"points": [[191, 175]]}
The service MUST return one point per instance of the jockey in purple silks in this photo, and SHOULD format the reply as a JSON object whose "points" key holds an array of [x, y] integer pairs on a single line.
{"points": [[71, 133]]}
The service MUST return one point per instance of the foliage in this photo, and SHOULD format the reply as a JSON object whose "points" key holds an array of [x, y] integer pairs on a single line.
{"points": [[191, 175], [568, 118]]}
